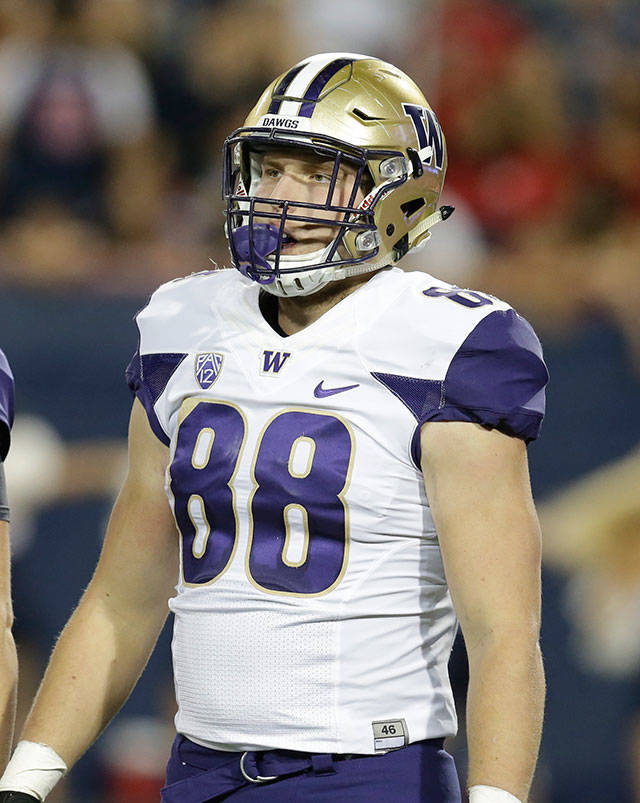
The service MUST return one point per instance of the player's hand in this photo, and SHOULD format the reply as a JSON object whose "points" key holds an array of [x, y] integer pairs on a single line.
{"points": [[17, 797]]}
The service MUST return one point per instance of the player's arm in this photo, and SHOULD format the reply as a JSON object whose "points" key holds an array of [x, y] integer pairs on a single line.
{"points": [[8, 658], [477, 482], [107, 641]]}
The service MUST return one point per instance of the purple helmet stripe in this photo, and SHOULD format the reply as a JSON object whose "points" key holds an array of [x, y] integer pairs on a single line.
{"points": [[319, 83], [279, 91]]}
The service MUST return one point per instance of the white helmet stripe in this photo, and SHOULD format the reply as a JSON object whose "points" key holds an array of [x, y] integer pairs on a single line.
{"points": [[299, 85]]}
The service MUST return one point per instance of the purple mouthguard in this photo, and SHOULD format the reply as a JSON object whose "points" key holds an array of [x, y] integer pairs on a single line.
{"points": [[265, 242]]}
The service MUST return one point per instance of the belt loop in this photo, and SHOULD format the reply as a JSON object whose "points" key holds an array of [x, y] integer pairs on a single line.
{"points": [[322, 764]]}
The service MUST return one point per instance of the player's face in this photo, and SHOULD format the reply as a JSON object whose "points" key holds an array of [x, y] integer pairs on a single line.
{"points": [[306, 178]]}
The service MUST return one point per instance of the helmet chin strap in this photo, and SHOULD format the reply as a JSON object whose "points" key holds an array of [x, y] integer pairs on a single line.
{"points": [[310, 281], [421, 231], [303, 282]]}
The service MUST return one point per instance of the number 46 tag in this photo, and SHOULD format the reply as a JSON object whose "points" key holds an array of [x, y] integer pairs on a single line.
{"points": [[389, 734]]}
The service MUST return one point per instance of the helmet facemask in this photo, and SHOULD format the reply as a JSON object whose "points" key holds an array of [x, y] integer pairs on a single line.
{"points": [[259, 227]]}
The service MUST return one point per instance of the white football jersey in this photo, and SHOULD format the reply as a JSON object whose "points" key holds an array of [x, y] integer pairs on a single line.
{"points": [[312, 611]]}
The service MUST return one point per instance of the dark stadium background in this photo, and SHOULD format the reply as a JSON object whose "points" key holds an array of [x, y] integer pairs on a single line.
{"points": [[112, 116]]}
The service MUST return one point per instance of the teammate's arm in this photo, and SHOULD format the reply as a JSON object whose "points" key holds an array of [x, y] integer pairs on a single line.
{"points": [[8, 658], [477, 482], [107, 641]]}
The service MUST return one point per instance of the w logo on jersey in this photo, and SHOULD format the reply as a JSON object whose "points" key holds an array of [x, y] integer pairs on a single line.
{"points": [[274, 360], [208, 367], [428, 131]]}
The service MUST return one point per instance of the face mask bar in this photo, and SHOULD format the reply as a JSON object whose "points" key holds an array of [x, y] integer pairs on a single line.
{"points": [[259, 241], [256, 236]]}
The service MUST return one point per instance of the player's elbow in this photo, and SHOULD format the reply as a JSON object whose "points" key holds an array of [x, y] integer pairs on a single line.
{"points": [[8, 659], [519, 640], [6, 616], [514, 619]]}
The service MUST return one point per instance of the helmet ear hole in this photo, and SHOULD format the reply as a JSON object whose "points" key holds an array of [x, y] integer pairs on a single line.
{"points": [[411, 208]]}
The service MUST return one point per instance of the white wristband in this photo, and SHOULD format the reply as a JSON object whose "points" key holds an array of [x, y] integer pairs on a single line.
{"points": [[491, 794], [34, 768]]}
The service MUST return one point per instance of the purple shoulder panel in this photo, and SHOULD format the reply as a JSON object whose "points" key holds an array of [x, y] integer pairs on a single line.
{"points": [[6, 405], [497, 378], [420, 396], [147, 377]]}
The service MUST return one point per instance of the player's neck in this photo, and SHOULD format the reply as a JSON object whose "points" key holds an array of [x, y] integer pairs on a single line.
{"points": [[298, 312]]}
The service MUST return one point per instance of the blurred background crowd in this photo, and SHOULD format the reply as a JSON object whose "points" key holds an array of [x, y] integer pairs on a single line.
{"points": [[112, 118]]}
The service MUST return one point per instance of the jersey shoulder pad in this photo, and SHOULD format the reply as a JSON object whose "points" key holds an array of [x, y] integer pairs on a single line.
{"points": [[420, 322], [170, 314], [497, 377], [453, 354], [168, 329]]}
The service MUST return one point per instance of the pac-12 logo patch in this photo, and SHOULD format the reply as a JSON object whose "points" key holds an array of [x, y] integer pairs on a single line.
{"points": [[208, 367]]}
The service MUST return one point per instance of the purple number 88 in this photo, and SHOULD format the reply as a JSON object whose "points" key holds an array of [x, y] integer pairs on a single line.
{"points": [[207, 456]]}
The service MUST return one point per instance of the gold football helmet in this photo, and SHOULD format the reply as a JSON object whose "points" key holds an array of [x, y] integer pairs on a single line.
{"points": [[351, 109]]}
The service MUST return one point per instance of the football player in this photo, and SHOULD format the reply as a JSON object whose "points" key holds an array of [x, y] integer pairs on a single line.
{"points": [[8, 659], [343, 448]]}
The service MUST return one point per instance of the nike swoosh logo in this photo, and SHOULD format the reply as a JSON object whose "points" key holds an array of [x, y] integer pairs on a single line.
{"points": [[321, 393]]}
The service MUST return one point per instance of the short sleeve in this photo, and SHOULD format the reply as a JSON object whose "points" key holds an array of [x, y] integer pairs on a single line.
{"points": [[147, 376], [496, 378], [6, 405]]}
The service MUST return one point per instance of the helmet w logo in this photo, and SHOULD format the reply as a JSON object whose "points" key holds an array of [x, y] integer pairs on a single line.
{"points": [[428, 132]]}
